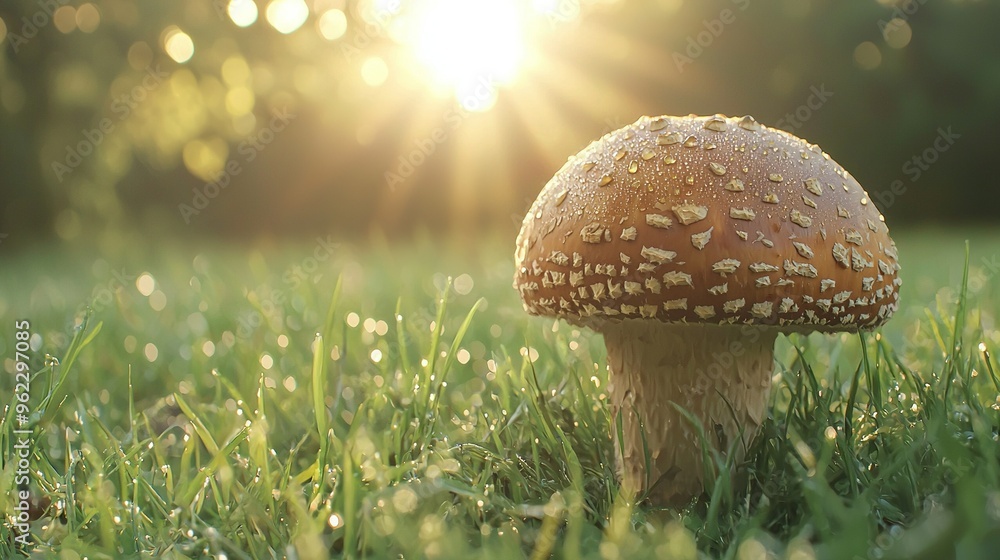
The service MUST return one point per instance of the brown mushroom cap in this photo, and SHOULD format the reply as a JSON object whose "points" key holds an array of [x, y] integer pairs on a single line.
{"points": [[707, 220]]}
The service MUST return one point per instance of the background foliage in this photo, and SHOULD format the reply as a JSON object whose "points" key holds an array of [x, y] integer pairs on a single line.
{"points": [[896, 74]]}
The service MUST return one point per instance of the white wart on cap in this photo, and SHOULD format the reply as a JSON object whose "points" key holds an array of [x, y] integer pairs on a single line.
{"points": [[707, 220]]}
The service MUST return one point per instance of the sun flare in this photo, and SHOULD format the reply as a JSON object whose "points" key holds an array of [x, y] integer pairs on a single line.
{"points": [[468, 48]]}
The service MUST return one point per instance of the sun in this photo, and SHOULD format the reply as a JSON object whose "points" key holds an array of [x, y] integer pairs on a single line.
{"points": [[470, 75], [468, 48]]}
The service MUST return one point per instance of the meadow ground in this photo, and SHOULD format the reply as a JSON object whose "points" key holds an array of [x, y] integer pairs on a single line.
{"points": [[194, 412]]}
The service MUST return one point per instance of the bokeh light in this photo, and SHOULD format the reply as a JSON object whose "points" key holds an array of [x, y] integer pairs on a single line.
{"points": [[88, 18], [145, 284], [151, 352], [205, 159], [285, 16], [235, 71], [897, 33], [867, 55], [374, 71], [178, 44], [332, 24], [242, 12], [239, 101], [64, 19]]}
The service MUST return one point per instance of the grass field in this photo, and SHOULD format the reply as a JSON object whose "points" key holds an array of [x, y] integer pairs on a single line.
{"points": [[304, 400]]}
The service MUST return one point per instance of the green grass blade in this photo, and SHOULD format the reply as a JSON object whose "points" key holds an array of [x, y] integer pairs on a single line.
{"points": [[197, 483], [199, 426], [319, 406], [53, 398]]}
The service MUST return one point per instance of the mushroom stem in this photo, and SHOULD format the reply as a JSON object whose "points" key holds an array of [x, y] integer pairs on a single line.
{"points": [[720, 374]]}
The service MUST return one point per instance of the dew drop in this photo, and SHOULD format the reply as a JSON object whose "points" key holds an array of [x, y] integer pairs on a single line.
{"points": [[749, 123]]}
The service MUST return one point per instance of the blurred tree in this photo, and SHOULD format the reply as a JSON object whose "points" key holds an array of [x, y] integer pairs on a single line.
{"points": [[241, 117]]}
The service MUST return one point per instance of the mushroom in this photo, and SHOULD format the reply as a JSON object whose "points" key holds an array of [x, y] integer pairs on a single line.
{"points": [[690, 243]]}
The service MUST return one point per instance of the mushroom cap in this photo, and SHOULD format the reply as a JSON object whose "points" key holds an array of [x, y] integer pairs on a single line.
{"points": [[707, 220]]}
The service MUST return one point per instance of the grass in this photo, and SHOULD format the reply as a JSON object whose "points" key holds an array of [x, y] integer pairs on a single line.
{"points": [[224, 402]]}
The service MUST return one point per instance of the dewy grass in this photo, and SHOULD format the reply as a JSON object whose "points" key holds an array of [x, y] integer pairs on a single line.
{"points": [[373, 415]]}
